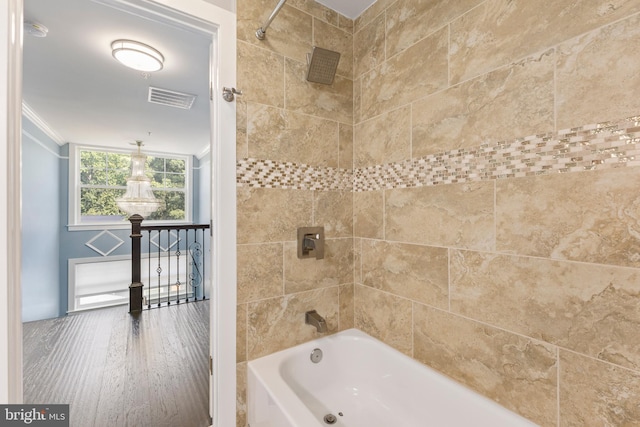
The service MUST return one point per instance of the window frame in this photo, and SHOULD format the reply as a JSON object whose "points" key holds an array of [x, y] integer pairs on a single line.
{"points": [[74, 218]]}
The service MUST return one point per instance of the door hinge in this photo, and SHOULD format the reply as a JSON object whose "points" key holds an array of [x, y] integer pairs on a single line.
{"points": [[210, 365]]}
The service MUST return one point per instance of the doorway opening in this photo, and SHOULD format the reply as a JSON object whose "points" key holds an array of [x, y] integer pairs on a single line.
{"points": [[221, 26]]}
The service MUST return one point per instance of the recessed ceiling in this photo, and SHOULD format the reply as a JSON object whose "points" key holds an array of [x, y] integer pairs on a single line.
{"points": [[349, 8]]}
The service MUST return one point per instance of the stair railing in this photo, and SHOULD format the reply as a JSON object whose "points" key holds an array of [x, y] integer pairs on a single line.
{"points": [[176, 270]]}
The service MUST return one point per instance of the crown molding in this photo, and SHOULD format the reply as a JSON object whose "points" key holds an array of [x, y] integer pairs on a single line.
{"points": [[30, 114]]}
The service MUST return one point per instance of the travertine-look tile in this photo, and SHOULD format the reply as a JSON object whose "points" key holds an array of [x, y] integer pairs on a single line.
{"points": [[593, 393], [419, 273], [515, 371], [289, 35], [278, 323], [413, 74], [241, 333], [282, 135], [368, 46], [589, 216], [333, 102], [384, 316], [459, 215], [595, 72], [357, 261], [309, 273], [262, 218], [334, 211], [383, 139], [241, 394], [330, 37], [241, 130], [371, 13], [498, 32], [345, 23], [317, 10], [346, 307], [368, 214], [357, 100], [260, 75], [260, 270], [592, 309], [345, 158], [411, 20], [508, 103]]}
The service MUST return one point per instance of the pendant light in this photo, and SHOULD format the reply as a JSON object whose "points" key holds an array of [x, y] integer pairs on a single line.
{"points": [[139, 198]]}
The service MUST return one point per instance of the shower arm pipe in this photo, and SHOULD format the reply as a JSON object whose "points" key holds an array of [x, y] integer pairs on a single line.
{"points": [[260, 33]]}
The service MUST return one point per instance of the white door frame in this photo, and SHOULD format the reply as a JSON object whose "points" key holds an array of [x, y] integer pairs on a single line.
{"points": [[10, 134], [223, 177]]}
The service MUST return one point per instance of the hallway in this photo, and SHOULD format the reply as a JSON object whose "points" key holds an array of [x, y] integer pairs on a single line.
{"points": [[115, 370]]}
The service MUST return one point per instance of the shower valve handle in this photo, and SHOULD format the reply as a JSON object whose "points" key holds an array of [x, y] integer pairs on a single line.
{"points": [[228, 93]]}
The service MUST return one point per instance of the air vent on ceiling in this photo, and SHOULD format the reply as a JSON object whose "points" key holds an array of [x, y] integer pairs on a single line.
{"points": [[171, 98]]}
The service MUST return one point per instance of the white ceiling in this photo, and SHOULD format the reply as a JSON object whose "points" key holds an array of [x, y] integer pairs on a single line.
{"points": [[74, 86], [349, 8]]}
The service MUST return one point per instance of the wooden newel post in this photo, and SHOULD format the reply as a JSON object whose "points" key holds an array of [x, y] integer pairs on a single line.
{"points": [[135, 289]]}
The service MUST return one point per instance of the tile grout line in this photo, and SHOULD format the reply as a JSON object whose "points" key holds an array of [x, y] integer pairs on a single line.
{"points": [[449, 275], [558, 379]]}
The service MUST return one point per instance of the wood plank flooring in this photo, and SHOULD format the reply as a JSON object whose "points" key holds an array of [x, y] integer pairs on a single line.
{"points": [[116, 370]]}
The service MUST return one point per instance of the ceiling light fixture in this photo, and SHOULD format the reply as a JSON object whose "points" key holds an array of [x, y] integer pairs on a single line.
{"points": [[136, 55]]}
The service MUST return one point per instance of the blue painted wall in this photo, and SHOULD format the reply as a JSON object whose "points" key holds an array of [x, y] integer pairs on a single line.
{"points": [[40, 231], [47, 243]]}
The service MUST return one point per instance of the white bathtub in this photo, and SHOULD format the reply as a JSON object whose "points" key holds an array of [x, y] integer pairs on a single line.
{"points": [[363, 383]]}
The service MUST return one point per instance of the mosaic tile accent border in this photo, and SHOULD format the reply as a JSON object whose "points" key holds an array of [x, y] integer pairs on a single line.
{"points": [[271, 174], [598, 146]]}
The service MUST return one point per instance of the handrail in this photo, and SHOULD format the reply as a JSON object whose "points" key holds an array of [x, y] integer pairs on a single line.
{"points": [[175, 227]]}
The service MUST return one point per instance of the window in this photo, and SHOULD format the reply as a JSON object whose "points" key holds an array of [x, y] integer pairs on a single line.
{"points": [[99, 177]]}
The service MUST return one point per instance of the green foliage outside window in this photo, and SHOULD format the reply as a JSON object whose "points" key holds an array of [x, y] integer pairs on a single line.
{"points": [[103, 178]]}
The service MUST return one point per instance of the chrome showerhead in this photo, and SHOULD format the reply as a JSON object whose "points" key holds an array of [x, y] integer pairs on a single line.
{"points": [[323, 64]]}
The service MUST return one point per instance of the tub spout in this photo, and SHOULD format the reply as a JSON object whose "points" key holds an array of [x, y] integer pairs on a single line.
{"points": [[314, 319]]}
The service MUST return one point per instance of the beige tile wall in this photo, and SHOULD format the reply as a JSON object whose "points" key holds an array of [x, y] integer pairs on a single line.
{"points": [[285, 123], [525, 289]]}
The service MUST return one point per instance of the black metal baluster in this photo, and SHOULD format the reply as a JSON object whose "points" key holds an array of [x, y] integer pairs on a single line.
{"points": [[194, 259], [194, 262], [204, 263], [178, 269], [187, 275], [196, 265], [149, 268], [159, 269], [198, 262], [169, 267]]}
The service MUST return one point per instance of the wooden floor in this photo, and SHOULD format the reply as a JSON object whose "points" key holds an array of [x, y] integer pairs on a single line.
{"points": [[115, 370]]}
